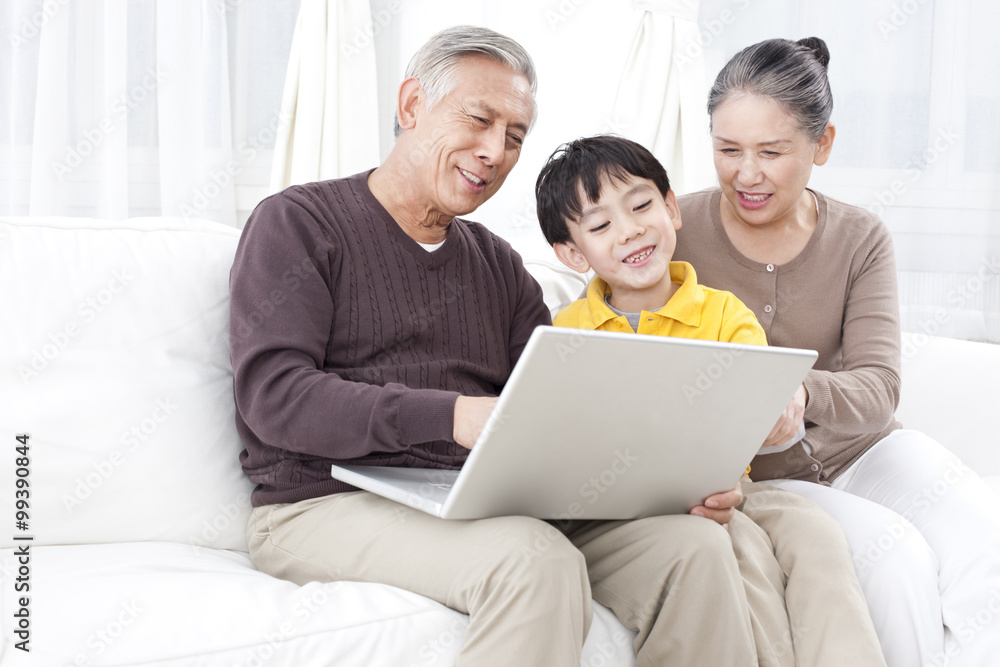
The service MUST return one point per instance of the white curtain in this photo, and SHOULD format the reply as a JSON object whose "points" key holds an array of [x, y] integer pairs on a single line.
{"points": [[329, 112], [124, 108], [98, 85], [661, 96], [148, 107], [193, 114]]}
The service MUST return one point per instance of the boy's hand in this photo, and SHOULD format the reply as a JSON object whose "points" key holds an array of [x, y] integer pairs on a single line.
{"points": [[719, 508], [790, 420], [471, 413]]}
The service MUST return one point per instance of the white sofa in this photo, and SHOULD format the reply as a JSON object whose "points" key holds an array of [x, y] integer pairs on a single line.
{"points": [[116, 364]]}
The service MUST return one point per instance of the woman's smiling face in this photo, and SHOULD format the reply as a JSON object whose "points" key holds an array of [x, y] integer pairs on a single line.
{"points": [[763, 159]]}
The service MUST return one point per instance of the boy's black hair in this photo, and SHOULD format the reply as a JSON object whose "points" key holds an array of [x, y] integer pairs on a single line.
{"points": [[587, 163]]}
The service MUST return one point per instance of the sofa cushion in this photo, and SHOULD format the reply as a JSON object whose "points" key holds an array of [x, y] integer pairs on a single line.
{"points": [[144, 604], [117, 336]]}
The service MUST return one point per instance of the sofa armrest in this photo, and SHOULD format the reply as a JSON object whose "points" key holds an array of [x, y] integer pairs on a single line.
{"points": [[950, 393]]}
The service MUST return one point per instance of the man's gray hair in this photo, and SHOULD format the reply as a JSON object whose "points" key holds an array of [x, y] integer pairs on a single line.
{"points": [[436, 63], [791, 73]]}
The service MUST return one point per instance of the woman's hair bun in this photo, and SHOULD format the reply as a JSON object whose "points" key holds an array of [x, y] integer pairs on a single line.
{"points": [[818, 47]]}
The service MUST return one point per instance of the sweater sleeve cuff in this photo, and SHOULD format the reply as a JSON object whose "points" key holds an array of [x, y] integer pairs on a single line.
{"points": [[426, 415], [819, 402]]}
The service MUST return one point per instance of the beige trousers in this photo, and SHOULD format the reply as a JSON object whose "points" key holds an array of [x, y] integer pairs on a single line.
{"points": [[527, 584], [778, 589], [828, 621]]}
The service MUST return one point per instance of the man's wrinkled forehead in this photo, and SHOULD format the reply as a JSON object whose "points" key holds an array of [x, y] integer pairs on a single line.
{"points": [[479, 87]]}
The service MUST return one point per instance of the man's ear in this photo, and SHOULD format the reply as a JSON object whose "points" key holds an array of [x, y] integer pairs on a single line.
{"points": [[411, 96], [571, 256], [674, 211], [825, 145]]}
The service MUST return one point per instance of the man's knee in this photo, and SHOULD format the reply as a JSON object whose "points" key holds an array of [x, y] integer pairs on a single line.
{"points": [[532, 556], [536, 546]]}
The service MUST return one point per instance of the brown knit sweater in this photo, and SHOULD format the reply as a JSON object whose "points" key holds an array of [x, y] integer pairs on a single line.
{"points": [[350, 342], [838, 297]]}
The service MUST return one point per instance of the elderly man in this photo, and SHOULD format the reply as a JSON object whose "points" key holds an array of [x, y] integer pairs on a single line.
{"points": [[372, 325]]}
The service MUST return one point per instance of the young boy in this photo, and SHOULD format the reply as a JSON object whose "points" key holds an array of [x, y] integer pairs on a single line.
{"points": [[605, 203]]}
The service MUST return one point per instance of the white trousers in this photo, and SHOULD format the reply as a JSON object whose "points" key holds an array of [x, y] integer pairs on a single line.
{"points": [[924, 532]]}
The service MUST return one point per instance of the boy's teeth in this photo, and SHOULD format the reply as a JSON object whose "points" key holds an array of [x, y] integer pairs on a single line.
{"points": [[639, 257]]}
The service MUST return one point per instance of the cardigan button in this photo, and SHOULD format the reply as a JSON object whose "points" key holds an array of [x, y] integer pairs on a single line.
{"points": [[770, 267], [768, 309]]}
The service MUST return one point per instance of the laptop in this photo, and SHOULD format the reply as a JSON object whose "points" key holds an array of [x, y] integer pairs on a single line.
{"points": [[608, 425]]}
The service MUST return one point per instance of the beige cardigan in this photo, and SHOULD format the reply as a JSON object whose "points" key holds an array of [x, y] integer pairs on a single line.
{"points": [[838, 297]]}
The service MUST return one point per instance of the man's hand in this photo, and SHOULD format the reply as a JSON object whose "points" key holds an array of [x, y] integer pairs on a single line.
{"points": [[719, 508], [471, 413], [790, 420]]}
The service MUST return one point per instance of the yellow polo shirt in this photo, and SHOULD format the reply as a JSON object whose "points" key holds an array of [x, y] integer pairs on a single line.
{"points": [[694, 311]]}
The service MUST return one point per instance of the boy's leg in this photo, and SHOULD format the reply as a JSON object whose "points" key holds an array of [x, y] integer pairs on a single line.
{"points": [[525, 597], [764, 583], [900, 582], [827, 611], [673, 580]]}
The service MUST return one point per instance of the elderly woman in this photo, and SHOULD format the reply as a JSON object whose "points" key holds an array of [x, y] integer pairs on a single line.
{"points": [[820, 274]]}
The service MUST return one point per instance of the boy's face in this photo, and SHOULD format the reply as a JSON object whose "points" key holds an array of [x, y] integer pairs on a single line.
{"points": [[628, 237]]}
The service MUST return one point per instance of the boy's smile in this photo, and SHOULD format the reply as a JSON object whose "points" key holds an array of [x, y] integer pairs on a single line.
{"points": [[640, 256], [628, 237]]}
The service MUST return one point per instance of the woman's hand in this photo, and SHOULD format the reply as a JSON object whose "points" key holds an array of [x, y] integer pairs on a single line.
{"points": [[720, 507], [791, 419]]}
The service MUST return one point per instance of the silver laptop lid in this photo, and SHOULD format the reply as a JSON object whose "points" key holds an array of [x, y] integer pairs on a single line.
{"points": [[599, 425]]}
